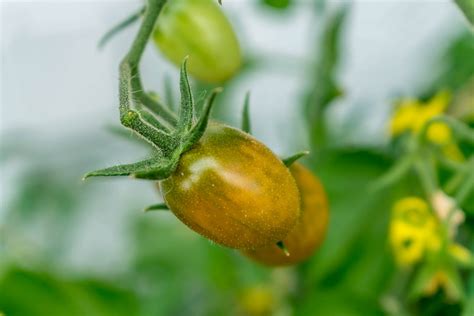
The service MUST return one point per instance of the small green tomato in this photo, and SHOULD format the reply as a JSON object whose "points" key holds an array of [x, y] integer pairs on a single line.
{"points": [[232, 189], [198, 29], [310, 231]]}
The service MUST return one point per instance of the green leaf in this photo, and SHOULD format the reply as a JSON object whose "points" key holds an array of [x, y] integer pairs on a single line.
{"points": [[31, 293], [456, 63], [469, 305], [322, 87], [278, 4], [217, 274], [467, 7]]}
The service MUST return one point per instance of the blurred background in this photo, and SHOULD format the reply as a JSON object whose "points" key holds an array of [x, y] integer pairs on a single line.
{"points": [[69, 247]]}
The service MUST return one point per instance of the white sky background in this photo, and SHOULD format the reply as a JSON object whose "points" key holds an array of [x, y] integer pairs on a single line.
{"points": [[53, 77]]}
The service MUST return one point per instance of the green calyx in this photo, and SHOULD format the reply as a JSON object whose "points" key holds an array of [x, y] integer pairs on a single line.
{"points": [[170, 135]]}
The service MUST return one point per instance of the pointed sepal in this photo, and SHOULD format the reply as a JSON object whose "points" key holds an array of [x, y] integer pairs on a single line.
{"points": [[186, 111], [291, 159], [154, 169], [157, 207], [200, 127], [246, 125]]}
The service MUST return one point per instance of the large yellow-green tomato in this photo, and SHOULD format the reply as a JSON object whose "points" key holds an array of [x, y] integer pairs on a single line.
{"points": [[232, 189], [198, 29], [310, 231]]}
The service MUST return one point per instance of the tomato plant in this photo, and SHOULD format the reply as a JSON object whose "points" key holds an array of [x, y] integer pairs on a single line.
{"points": [[232, 189], [220, 181], [198, 29], [310, 231]]}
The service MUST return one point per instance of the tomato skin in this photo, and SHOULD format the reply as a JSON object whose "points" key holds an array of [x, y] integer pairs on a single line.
{"points": [[232, 189], [200, 30], [310, 231]]}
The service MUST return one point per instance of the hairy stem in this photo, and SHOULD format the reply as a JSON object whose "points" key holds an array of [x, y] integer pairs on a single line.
{"points": [[131, 89]]}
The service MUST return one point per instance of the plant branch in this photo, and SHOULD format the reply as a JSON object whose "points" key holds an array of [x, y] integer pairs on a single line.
{"points": [[131, 89]]}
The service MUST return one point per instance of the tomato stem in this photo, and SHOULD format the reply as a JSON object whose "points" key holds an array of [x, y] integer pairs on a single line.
{"points": [[426, 176], [169, 135], [131, 88], [395, 173], [468, 185]]}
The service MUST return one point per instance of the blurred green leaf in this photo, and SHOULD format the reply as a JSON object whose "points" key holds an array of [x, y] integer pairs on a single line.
{"points": [[469, 305], [338, 302], [462, 106], [322, 84], [456, 65], [467, 7], [277, 4], [24, 292], [435, 305]]}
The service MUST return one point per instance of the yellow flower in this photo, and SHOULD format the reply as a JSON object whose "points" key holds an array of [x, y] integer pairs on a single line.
{"points": [[404, 116], [413, 231], [439, 133], [411, 115], [412, 210], [435, 106], [407, 243]]}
